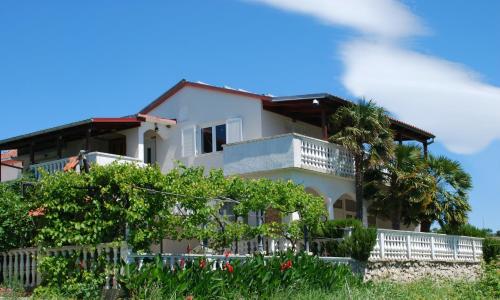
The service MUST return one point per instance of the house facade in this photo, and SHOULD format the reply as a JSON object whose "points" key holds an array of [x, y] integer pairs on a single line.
{"points": [[243, 133]]}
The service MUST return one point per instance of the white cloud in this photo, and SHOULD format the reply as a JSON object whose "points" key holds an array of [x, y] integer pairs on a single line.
{"points": [[432, 93], [383, 18]]}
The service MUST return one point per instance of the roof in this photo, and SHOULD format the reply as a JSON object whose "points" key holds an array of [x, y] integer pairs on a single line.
{"points": [[16, 164], [70, 131], [296, 106], [302, 105]]}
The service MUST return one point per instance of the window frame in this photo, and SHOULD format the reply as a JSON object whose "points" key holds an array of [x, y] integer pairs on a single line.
{"points": [[213, 127]]}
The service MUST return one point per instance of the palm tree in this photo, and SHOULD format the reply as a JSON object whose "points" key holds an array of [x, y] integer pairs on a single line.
{"points": [[363, 129], [450, 203], [402, 187]]}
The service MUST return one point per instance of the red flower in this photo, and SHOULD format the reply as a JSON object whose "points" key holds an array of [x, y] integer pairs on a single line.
{"points": [[286, 265], [226, 253], [182, 263], [228, 267], [37, 212], [203, 264]]}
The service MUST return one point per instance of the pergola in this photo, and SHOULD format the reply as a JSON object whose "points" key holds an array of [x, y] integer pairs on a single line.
{"points": [[315, 109]]}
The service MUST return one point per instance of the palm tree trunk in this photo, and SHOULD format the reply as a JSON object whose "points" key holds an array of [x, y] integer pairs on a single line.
{"points": [[396, 217], [425, 226], [359, 188]]}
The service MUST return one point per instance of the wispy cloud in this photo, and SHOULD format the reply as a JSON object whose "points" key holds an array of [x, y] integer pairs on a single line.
{"points": [[375, 17], [443, 97]]}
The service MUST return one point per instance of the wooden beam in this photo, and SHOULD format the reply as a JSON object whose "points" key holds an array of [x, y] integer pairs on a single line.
{"points": [[324, 125], [87, 139], [32, 152], [59, 147]]}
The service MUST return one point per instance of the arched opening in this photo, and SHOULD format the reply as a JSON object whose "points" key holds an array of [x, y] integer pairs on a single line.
{"points": [[151, 138], [344, 207]]}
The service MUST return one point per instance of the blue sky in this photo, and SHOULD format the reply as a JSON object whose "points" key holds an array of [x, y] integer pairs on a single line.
{"points": [[62, 62]]}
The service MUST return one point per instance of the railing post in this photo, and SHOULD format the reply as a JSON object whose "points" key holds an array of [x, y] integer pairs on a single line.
{"points": [[455, 250], [473, 250], [381, 240], [408, 246], [433, 252]]}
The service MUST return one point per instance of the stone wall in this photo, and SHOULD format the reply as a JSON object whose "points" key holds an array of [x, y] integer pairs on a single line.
{"points": [[406, 271]]}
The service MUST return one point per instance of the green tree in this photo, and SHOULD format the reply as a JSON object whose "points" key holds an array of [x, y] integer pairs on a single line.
{"points": [[402, 187], [16, 225], [450, 204], [364, 130]]}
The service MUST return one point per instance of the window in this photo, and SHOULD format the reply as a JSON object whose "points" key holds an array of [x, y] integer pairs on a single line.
{"points": [[350, 205], [220, 136], [212, 138], [206, 140]]}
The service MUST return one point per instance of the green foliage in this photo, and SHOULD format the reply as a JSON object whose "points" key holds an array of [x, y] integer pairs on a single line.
{"points": [[87, 209], [335, 228], [64, 278], [464, 230], [16, 226], [491, 249], [252, 278], [360, 243], [100, 206], [364, 130], [450, 203], [401, 187]]}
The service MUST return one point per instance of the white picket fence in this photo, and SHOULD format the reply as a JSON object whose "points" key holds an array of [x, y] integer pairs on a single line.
{"points": [[20, 266], [408, 245]]}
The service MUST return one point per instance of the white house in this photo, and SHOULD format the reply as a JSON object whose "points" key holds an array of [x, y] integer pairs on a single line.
{"points": [[243, 133]]}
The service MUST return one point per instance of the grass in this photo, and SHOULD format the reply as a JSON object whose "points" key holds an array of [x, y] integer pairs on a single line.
{"points": [[426, 289]]}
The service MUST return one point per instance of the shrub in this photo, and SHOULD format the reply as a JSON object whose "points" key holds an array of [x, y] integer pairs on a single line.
{"points": [[491, 249], [360, 243], [62, 277], [16, 226], [464, 230], [335, 228], [253, 278]]}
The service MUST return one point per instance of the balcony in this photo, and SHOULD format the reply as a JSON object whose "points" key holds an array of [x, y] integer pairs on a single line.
{"points": [[99, 158], [287, 151]]}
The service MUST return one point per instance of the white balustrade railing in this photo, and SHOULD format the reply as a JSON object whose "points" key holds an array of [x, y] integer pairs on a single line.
{"points": [[284, 151], [20, 265], [408, 245], [326, 157], [49, 166], [99, 158]]}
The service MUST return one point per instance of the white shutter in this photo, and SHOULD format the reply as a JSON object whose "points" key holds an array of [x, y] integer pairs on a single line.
{"points": [[189, 141], [234, 130]]}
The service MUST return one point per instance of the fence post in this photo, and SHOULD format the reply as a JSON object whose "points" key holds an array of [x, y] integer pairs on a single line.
{"points": [[455, 254], [473, 250], [433, 253], [408, 246], [381, 240]]}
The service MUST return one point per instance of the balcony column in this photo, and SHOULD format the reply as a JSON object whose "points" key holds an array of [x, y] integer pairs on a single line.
{"points": [[140, 143], [324, 126]]}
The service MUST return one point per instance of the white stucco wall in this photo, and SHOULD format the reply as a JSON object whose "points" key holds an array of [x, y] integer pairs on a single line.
{"points": [[274, 124], [194, 106], [10, 173]]}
